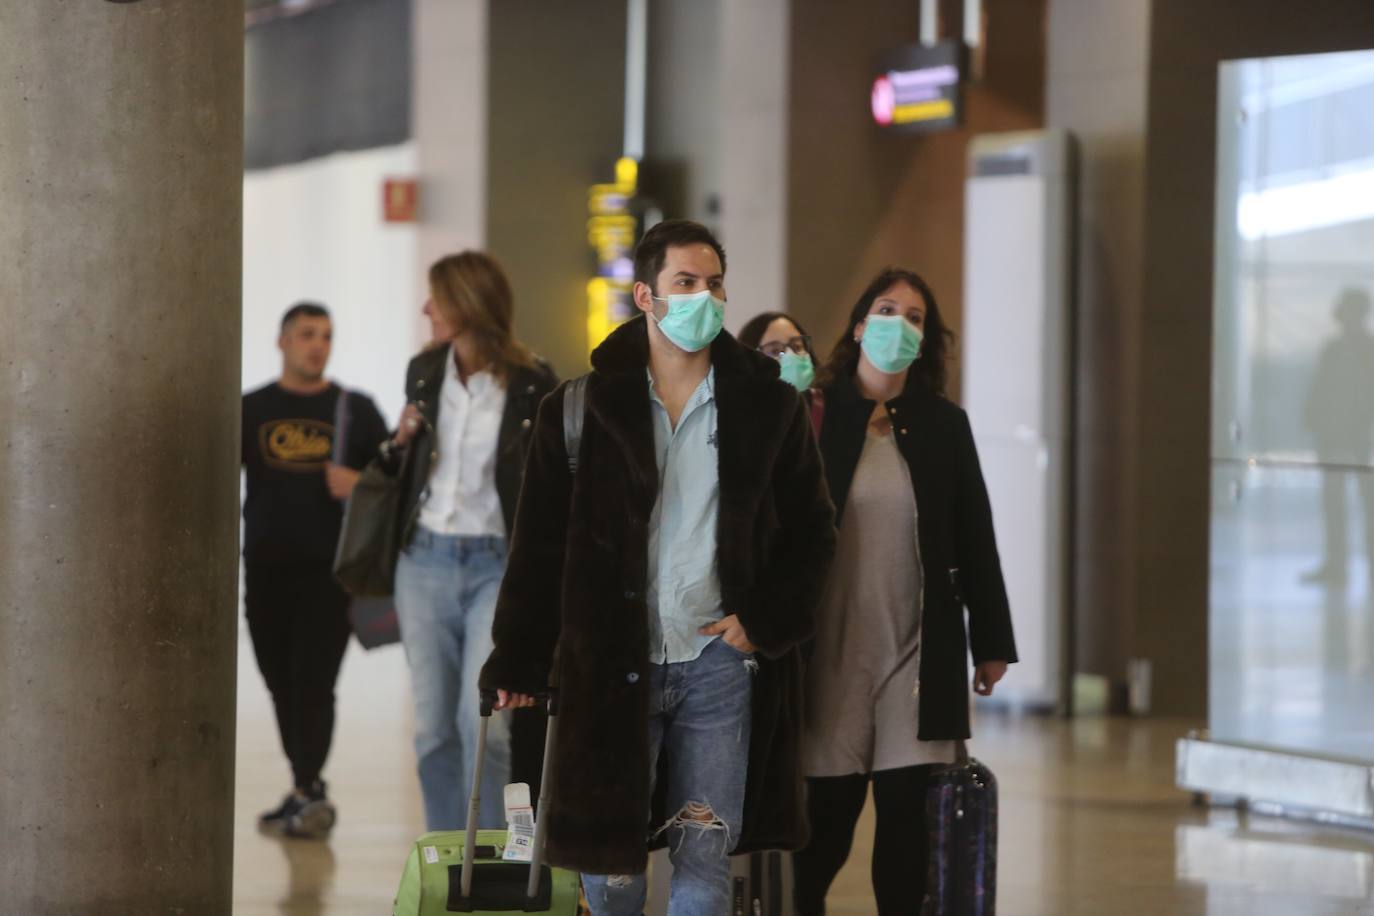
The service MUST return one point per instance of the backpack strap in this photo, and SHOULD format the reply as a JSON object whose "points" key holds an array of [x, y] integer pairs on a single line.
{"points": [[574, 411]]}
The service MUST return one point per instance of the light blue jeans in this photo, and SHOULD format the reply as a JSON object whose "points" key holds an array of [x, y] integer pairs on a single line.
{"points": [[446, 589], [699, 714]]}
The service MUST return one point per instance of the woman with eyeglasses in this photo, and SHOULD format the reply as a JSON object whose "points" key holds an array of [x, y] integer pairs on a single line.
{"points": [[780, 336], [887, 694]]}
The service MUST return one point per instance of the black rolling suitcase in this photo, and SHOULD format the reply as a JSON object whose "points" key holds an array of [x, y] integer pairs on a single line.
{"points": [[759, 884], [961, 823]]}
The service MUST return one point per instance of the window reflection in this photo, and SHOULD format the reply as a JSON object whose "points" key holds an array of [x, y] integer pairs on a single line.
{"points": [[1293, 405]]}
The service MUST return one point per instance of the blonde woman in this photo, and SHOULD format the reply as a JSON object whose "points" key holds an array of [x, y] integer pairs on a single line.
{"points": [[472, 397]]}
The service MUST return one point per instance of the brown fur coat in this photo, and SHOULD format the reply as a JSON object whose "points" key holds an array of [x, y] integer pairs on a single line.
{"points": [[572, 606]]}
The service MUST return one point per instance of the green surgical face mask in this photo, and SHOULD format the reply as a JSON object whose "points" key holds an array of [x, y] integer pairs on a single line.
{"points": [[796, 370], [693, 319], [891, 343]]}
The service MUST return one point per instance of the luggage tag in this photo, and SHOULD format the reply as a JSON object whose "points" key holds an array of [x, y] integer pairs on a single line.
{"points": [[519, 824]]}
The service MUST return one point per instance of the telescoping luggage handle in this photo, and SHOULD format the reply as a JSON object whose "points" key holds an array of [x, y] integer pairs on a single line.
{"points": [[488, 704]]}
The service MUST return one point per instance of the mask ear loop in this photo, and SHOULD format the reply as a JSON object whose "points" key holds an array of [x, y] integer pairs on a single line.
{"points": [[652, 316]]}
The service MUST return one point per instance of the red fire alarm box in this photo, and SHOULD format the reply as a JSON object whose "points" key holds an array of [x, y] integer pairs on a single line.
{"points": [[400, 200]]}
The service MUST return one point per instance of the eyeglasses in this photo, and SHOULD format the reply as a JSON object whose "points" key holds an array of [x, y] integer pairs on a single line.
{"points": [[798, 345]]}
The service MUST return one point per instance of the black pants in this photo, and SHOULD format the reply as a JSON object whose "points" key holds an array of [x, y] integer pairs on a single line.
{"points": [[899, 844], [298, 618]]}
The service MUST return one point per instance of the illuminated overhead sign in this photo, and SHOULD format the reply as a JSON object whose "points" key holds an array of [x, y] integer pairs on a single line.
{"points": [[612, 231], [919, 88]]}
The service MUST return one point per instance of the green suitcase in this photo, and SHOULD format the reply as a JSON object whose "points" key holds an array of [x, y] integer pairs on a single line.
{"points": [[433, 874], [436, 880]]}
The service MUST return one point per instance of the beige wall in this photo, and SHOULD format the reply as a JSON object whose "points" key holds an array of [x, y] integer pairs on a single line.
{"points": [[449, 123], [755, 66], [860, 199], [555, 96]]}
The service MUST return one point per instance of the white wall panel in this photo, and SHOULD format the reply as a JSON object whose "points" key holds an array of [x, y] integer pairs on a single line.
{"points": [[1016, 346], [314, 230]]}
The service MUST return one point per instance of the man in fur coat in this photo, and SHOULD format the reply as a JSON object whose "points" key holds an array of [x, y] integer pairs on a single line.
{"points": [[664, 587]]}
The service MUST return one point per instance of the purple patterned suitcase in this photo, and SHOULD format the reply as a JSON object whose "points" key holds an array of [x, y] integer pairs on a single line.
{"points": [[961, 821]]}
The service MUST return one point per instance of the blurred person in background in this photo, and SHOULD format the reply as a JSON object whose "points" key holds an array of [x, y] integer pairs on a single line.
{"points": [[297, 613], [779, 336], [1339, 413]]}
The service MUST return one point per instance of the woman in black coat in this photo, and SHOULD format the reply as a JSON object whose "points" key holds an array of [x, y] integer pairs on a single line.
{"points": [[886, 685]]}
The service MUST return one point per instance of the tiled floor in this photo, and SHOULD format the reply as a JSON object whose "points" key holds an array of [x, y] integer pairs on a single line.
{"points": [[1090, 822], [372, 778]]}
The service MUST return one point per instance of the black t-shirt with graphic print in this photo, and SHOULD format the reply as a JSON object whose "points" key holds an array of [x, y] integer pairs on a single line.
{"points": [[289, 516]]}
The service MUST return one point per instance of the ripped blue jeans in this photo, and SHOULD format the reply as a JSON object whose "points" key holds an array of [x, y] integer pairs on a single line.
{"points": [[699, 715]]}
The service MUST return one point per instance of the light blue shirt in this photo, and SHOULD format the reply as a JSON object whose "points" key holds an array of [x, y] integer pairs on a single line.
{"points": [[684, 583]]}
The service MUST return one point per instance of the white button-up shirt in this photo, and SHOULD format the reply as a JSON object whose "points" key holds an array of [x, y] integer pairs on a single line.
{"points": [[461, 498]]}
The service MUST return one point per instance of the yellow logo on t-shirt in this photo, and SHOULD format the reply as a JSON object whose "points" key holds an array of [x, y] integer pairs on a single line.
{"points": [[296, 445]]}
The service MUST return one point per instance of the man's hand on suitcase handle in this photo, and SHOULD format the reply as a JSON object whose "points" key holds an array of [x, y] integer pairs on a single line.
{"points": [[505, 699]]}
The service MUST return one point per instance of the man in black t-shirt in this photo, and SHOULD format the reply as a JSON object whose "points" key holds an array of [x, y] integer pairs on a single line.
{"points": [[297, 613]]}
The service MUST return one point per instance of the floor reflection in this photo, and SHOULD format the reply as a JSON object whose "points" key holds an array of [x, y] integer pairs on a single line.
{"points": [[1290, 658], [1091, 824], [371, 774], [1277, 858], [311, 877]]}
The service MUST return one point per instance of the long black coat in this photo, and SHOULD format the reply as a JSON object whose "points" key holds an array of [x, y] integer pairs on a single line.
{"points": [[958, 547], [577, 579]]}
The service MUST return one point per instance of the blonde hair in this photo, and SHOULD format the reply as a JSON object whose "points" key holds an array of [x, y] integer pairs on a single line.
{"points": [[472, 293]]}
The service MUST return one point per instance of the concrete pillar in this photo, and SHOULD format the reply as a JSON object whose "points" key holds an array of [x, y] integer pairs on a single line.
{"points": [[121, 171], [1097, 87], [858, 198]]}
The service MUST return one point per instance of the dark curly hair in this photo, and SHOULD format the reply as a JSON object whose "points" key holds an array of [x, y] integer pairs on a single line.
{"points": [[929, 371]]}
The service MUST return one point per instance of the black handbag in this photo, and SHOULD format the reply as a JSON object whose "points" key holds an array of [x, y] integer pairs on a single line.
{"points": [[369, 543]]}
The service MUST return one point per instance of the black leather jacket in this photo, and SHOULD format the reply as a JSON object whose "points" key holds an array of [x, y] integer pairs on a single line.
{"points": [[525, 389]]}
